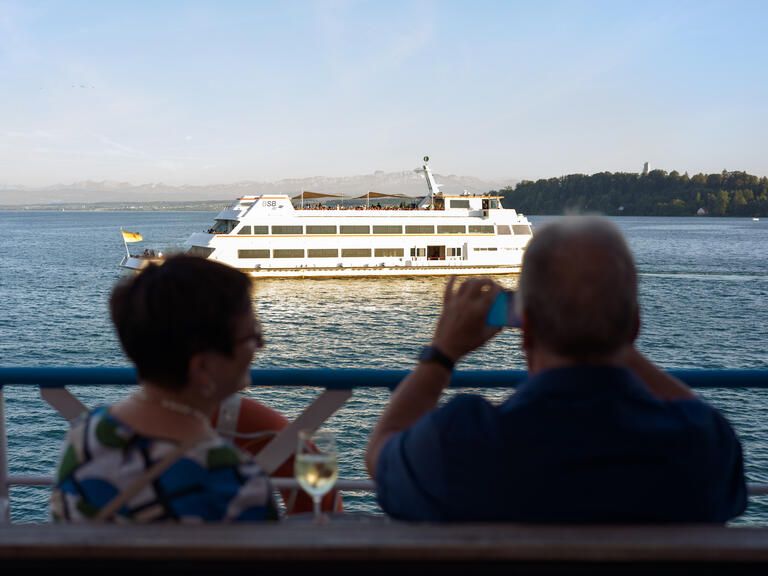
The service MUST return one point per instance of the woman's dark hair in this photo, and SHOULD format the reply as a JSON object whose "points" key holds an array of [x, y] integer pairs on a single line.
{"points": [[167, 313]]}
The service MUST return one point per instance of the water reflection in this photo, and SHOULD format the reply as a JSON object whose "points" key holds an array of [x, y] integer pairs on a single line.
{"points": [[362, 323]]}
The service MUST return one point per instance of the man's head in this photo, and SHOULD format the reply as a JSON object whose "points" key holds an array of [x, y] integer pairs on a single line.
{"points": [[578, 290]]}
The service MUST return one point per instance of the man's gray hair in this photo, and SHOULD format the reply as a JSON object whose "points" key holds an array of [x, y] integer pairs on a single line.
{"points": [[578, 288]]}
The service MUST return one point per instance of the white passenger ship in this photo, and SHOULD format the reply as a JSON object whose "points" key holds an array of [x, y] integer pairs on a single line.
{"points": [[268, 236]]}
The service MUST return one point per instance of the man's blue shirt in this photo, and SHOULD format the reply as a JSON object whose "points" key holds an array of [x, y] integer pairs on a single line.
{"points": [[577, 444]]}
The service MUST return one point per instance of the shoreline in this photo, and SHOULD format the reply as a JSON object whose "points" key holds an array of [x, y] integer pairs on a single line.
{"points": [[217, 205]]}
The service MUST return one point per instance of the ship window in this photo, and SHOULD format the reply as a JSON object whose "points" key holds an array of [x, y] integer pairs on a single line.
{"points": [[288, 253], [451, 229], [200, 251], [355, 230], [253, 253], [459, 203], [356, 252], [495, 204], [522, 229], [387, 229], [420, 229], [321, 229], [323, 253], [415, 252], [504, 229], [244, 230], [223, 226], [287, 230], [454, 251], [486, 249], [261, 229], [388, 252], [480, 229]]}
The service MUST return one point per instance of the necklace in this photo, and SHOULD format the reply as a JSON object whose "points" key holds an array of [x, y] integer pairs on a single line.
{"points": [[173, 406]]}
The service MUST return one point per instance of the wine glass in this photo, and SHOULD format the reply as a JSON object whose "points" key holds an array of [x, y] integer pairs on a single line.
{"points": [[316, 466]]}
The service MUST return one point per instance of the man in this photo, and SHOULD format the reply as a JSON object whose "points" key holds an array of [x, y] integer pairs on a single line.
{"points": [[596, 434]]}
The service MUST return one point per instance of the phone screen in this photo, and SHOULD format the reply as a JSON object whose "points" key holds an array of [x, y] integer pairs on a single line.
{"points": [[502, 312]]}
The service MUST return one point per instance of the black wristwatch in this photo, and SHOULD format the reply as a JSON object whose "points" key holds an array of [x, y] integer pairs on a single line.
{"points": [[433, 354]]}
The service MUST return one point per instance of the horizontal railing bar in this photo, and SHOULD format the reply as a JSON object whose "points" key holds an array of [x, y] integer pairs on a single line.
{"points": [[29, 480], [349, 484], [755, 489], [348, 378]]}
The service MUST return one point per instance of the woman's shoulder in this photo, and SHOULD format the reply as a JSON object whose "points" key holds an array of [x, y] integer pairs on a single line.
{"points": [[106, 432], [94, 430], [211, 480]]}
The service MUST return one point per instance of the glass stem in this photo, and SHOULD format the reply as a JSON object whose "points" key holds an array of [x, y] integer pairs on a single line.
{"points": [[316, 506]]}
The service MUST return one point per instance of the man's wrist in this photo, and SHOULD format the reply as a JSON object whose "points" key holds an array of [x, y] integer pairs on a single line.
{"points": [[436, 355], [447, 347]]}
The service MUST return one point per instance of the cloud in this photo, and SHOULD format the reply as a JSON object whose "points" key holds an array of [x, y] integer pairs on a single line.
{"points": [[32, 135], [114, 148]]}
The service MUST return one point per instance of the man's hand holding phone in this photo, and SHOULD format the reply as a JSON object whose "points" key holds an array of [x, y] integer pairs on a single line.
{"points": [[462, 326], [502, 312]]}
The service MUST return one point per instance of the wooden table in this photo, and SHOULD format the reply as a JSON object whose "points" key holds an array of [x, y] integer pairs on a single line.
{"points": [[363, 547]]}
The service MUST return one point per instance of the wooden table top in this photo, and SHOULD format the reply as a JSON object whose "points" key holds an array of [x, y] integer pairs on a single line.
{"points": [[356, 540]]}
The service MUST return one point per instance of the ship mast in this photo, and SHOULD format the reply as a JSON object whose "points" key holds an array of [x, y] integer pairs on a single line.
{"points": [[434, 187]]}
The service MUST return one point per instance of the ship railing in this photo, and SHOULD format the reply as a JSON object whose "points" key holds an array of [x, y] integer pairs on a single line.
{"points": [[336, 386]]}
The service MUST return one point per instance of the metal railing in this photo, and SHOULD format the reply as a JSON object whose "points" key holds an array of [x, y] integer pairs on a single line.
{"points": [[337, 385]]}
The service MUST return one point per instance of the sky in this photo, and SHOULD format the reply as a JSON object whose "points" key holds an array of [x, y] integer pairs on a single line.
{"points": [[204, 92]]}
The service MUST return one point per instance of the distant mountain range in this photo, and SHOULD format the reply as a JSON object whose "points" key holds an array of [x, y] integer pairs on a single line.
{"points": [[156, 196]]}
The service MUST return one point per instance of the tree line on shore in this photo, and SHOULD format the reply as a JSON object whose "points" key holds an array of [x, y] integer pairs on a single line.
{"points": [[656, 193]]}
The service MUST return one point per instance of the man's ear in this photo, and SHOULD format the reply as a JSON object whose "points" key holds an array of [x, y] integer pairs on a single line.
{"points": [[528, 339], [525, 328]]}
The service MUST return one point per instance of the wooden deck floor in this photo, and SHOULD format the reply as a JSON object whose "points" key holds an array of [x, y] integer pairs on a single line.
{"points": [[383, 547]]}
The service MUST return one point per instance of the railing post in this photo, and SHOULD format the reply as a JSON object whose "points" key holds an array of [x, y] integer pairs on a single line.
{"points": [[64, 402], [5, 501], [283, 445]]}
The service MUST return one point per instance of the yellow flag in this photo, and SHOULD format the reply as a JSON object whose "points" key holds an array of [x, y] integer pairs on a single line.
{"points": [[132, 236]]}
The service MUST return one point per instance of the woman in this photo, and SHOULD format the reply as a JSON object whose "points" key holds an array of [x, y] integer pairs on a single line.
{"points": [[189, 328]]}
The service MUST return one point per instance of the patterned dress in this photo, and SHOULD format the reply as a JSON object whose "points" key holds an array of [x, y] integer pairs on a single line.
{"points": [[212, 482]]}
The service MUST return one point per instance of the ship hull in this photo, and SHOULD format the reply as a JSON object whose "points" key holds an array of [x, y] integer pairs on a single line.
{"points": [[382, 271], [138, 263]]}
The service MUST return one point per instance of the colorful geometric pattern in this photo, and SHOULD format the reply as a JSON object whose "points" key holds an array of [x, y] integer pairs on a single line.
{"points": [[212, 482]]}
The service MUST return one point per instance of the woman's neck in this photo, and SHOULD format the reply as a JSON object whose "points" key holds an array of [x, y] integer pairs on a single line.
{"points": [[183, 401], [157, 412], [171, 404]]}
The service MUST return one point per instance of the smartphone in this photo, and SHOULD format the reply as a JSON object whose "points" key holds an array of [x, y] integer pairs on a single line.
{"points": [[502, 312]]}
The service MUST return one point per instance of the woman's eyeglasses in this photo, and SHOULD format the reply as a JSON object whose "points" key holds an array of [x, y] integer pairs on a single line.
{"points": [[257, 337]]}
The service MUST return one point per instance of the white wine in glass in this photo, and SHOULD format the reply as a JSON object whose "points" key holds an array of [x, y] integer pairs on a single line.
{"points": [[316, 466]]}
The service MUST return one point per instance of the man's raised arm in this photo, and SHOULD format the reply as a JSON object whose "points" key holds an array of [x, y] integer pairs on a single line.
{"points": [[461, 329]]}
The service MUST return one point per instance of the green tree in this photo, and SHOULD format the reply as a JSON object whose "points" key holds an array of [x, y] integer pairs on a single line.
{"points": [[658, 193]]}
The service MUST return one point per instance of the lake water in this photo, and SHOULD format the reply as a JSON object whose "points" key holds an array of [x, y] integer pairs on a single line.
{"points": [[703, 288]]}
